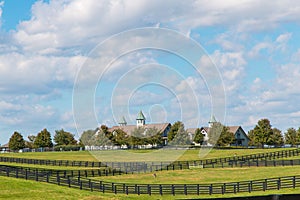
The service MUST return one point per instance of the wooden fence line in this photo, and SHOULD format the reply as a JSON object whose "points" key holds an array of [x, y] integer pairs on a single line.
{"points": [[151, 189], [140, 167]]}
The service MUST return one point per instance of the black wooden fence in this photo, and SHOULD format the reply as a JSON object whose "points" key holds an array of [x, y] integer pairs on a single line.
{"points": [[142, 167], [151, 189]]}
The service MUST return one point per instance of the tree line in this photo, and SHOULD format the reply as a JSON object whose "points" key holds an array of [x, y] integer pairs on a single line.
{"points": [[262, 134], [63, 140]]}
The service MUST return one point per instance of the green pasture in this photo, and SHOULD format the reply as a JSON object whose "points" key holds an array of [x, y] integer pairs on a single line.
{"points": [[20, 189], [11, 188], [200, 176], [141, 155]]}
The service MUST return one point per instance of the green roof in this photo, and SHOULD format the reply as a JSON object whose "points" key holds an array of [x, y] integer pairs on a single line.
{"points": [[123, 121], [212, 119], [140, 116]]}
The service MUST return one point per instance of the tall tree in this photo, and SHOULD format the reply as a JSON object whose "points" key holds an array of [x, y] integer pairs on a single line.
{"points": [[43, 139], [181, 137], [199, 138], [16, 141], [214, 133], [173, 130], [86, 138], [220, 135], [153, 136], [100, 139], [62, 137], [120, 137], [276, 138], [292, 136], [262, 132], [30, 142]]}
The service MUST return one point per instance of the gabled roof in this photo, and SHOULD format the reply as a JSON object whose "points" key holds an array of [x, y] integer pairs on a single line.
{"points": [[129, 128], [5, 145], [140, 116]]}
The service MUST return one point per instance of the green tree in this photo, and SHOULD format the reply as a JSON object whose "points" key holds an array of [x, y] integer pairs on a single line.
{"points": [[252, 141], [181, 138], [292, 136], [214, 133], [262, 132], [43, 139], [199, 138], [220, 135], [100, 139], [276, 138], [173, 130], [86, 138], [153, 136], [137, 137], [62, 137], [226, 138], [30, 142], [16, 141], [120, 137]]}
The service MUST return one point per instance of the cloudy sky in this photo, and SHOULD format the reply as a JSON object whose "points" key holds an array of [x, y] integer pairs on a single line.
{"points": [[48, 47]]}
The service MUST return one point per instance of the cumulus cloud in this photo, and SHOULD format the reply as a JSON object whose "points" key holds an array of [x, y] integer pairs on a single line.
{"points": [[39, 60]]}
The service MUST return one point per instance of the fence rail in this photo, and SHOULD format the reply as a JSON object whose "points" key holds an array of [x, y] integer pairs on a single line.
{"points": [[140, 167], [150, 189]]}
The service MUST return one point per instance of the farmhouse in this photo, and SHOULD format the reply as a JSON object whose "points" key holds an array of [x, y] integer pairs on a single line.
{"points": [[163, 128], [4, 148], [241, 138]]}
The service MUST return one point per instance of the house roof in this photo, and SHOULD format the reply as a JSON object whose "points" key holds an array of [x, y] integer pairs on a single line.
{"points": [[129, 128], [5, 145], [140, 116], [232, 129]]}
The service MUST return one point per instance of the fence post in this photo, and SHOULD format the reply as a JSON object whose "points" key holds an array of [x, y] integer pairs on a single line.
{"points": [[69, 182], [278, 184], [294, 182], [185, 189], [160, 190], [198, 189], [81, 185], [149, 190], [7, 171], [250, 186], [210, 189], [126, 190], [138, 190], [36, 175], [173, 190]]}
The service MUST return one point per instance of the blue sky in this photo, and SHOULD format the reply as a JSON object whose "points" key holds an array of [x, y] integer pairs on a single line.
{"points": [[45, 44]]}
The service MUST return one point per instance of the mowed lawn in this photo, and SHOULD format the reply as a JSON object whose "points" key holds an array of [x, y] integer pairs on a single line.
{"points": [[202, 176], [140, 155], [19, 189]]}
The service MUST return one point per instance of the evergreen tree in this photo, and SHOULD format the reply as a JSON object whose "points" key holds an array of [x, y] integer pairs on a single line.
{"points": [[62, 137], [43, 139], [199, 138], [292, 136], [16, 141], [262, 132], [174, 129]]}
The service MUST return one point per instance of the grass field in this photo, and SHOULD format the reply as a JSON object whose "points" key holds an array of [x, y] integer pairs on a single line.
{"points": [[11, 188], [19, 189], [195, 176], [140, 155]]}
